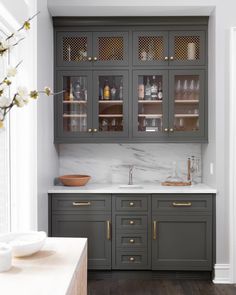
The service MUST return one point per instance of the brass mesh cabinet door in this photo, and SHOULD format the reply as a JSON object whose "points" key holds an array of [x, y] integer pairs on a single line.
{"points": [[150, 48], [187, 48], [74, 49], [110, 48]]}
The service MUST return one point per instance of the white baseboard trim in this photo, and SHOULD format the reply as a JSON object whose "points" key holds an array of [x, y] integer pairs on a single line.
{"points": [[222, 274]]}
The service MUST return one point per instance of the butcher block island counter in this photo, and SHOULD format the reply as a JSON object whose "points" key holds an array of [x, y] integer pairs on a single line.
{"points": [[60, 268]]}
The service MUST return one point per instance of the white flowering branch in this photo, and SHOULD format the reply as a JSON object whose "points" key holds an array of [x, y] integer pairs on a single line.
{"points": [[22, 95]]}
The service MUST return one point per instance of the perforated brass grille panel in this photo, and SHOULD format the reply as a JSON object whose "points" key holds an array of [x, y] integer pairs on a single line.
{"points": [[150, 48], [75, 48], [187, 48], [110, 48]]}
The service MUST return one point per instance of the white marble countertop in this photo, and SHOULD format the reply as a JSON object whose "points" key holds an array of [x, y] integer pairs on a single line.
{"points": [[47, 272], [146, 189]]}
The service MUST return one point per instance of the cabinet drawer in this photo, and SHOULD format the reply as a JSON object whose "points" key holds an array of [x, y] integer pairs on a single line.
{"points": [[131, 222], [131, 260], [80, 202], [131, 203], [132, 241], [182, 203]]}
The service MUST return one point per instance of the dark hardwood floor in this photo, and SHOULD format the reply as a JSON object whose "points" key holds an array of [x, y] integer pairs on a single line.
{"points": [[157, 287]]}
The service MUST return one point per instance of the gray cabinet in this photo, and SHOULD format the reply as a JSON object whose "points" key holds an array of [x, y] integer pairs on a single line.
{"points": [[139, 231], [86, 216], [165, 101]]}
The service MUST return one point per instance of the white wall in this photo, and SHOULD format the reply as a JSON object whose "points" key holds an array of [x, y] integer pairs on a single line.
{"points": [[47, 155]]}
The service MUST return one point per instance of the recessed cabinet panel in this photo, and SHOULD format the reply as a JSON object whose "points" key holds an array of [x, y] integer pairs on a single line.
{"points": [[150, 48]]}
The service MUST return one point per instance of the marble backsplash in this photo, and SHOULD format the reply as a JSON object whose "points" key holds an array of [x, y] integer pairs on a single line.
{"points": [[108, 163]]}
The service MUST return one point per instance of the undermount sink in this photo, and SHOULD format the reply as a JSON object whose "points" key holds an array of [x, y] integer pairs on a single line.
{"points": [[131, 186]]}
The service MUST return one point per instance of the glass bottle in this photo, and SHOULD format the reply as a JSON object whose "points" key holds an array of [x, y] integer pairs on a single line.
{"points": [[71, 96], [154, 89], [77, 90], [121, 90], [106, 91], [113, 91], [147, 90], [141, 91], [160, 92]]}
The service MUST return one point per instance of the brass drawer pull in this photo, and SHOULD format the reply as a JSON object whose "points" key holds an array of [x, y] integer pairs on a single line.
{"points": [[131, 204], [154, 230], [182, 204], [108, 230], [81, 203], [131, 259], [131, 222], [131, 241]]}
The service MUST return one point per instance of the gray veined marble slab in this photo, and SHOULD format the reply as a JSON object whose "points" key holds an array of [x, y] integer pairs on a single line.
{"points": [[107, 163]]}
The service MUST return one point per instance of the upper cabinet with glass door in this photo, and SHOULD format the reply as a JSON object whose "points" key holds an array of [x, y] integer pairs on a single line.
{"points": [[82, 49]]}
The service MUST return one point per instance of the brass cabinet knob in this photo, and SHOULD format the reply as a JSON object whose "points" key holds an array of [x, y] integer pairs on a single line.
{"points": [[166, 129], [89, 130], [89, 58], [131, 204], [166, 57], [171, 130], [95, 130], [172, 58], [131, 259], [131, 241], [95, 58], [131, 222]]}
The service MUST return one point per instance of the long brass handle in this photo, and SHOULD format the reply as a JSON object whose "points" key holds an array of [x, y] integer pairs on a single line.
{"points": [[182, 204], [108, 230], [154, 230], [81, 203]]}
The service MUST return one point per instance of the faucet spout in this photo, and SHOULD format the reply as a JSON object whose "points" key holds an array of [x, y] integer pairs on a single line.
{"points": [[131, 168]]}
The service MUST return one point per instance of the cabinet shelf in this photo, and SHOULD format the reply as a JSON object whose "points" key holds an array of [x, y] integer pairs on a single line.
{"points": [[111, 116], [186, 115], [74, 116], [187, 101], [150, 101], [150, 115], [111, 101], [75, 101]]}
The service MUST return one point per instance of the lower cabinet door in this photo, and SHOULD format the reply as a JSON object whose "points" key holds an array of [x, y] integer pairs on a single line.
{"points": [[181, 242], [95, 227]]}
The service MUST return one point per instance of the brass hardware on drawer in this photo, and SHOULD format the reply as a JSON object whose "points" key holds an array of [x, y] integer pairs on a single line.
{"points": [[166, 129], [171, 130], [182, 204], [166, 57], [172, 58], [154, 230], [95, 58], [131, 241], [131, 222], [89, 58], [108, 230], [131, 203], [131, 259], [89, 130], [95, 130], [81, 203]]}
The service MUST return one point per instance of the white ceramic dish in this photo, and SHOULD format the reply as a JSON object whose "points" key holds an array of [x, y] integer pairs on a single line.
{"points": [[24, 244]]}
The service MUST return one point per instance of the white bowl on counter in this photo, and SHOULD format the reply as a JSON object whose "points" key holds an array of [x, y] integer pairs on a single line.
{"points": [[24, 244]]}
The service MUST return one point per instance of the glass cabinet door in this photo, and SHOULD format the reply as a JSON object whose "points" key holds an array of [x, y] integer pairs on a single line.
{"points": [[150, 48], [186, 103], [74, 49], [110, 108], [187, 48], [110, 48], [150, 103], [74, 105]]}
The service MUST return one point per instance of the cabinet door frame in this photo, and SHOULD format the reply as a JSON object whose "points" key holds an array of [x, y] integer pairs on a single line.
{"points": [[99, 63], [201, 133], [201, 61], [183, 264], [98, 263], [59, 52], [111, 134], [142, 134], [150, 33], [58, 106]]}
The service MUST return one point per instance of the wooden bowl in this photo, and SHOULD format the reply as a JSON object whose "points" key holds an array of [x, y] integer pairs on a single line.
{"points": [[74, 180]]}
